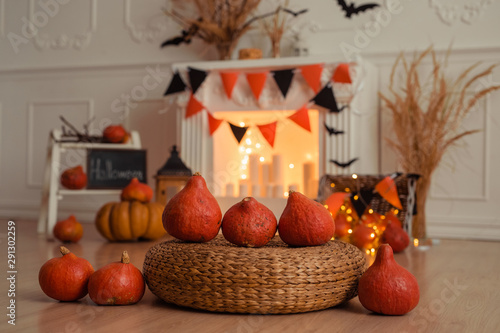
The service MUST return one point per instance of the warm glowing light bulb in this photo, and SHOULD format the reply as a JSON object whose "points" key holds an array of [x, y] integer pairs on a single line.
{"points": [[372, 250], [372, 235], [415, 242], [326, 206], [243, 176], [257, 145], [248, 150], [349, 231], [396, 212], [356, 197], [291, 166], [349, 219], [242, 149], [242, 123], [332, 184], [370, 211], [261, 159], [243, 167], [349, 211], [342, 207], [244, 161], [248, 141], [367, 251], [354, 176], [285, 194]]}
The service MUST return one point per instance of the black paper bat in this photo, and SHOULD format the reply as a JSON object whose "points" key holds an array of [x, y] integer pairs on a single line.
{"points": [[344, 165], [353, 9], [185, 37], [291, 12], [332, 131]]}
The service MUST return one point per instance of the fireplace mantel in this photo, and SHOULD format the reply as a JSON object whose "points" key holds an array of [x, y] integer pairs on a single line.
{"points": [[359, 121]]}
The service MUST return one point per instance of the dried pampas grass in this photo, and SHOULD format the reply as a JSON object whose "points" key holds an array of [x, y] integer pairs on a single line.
{"points": [[427, 117]]}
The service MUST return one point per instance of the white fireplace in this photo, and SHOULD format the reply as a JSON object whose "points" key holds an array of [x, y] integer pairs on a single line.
{"points": [[225, 164]]}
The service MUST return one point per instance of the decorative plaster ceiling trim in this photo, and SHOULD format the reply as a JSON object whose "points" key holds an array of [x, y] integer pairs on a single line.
{"points": [[451, 13], [149, 33]]}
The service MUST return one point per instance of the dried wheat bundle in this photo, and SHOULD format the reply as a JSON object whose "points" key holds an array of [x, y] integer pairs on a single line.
{"points": [[427, 116]]}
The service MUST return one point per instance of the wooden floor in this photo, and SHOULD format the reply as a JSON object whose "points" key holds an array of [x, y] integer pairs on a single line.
{"points": [[459, 284]]}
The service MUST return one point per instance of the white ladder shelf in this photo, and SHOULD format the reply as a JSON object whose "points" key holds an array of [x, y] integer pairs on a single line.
{"points": [[51, 191]]}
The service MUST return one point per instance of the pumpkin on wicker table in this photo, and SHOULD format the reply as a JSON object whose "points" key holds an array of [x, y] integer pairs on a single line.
{"points": [[134, 217]]}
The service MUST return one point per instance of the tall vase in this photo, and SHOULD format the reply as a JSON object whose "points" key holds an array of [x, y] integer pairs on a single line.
{"points": [[419, 228], [226, 49]]}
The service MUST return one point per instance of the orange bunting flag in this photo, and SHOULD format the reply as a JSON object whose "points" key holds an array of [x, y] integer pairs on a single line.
{"points": [[341, 74], [229, 81], [257, 82], [268, 132], [213, 123], [335, 201], [388, 190], [193, 107], [312, 75], [301, 118]]}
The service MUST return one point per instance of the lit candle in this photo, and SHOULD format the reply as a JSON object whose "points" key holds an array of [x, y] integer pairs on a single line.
{"points": [[308, 174], [255, 190], [253, 169], [278, 175], [229, 190], [243, 189]]}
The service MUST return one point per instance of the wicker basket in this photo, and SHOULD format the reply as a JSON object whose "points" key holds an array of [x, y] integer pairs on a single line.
{"points": [[275, 279], [365, 182]]}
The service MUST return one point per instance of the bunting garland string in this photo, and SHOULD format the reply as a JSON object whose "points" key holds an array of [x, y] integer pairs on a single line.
{"points": [[283, 78]]}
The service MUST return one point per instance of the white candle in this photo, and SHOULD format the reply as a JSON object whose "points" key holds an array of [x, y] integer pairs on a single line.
{"points": [[308, 175], [255, 190], [293, 187], [269, 191], [229, 190], [313, 186], [243, 189], [265, 173], [253, 168], [278, 191], [278, 175]]}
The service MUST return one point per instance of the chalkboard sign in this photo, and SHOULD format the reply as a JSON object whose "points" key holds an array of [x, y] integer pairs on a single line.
{"points": [[113, 169]]}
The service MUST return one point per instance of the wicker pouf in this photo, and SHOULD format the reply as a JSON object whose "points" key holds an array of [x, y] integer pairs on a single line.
{"points": [[275, 279]]}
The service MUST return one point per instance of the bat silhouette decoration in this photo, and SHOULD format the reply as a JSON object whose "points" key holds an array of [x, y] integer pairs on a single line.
{"points": [[332, 131], [344, 165], [352, 9], [185, 37], [295, 14]]}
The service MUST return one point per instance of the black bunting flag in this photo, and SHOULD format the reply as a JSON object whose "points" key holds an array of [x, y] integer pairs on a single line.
{"points": [[326, 99], [176, 85], [283, 79], [238, 132], [360, 200], [196, 78]]}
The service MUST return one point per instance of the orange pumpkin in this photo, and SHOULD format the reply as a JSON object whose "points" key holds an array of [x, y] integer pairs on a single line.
{"points": [[130, 220]]}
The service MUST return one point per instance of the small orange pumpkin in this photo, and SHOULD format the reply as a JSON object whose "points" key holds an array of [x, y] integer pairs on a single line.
{"points": [[130, 220], [69, 230], [136, 190], [74, 178]]}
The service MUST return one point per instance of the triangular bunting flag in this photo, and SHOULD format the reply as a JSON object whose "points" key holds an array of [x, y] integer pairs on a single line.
{"points": [[213, 123], [176, 85], [238, 132], [268, 132], [257, 82], [301, 118], [283, 79], [196, 78], [341, 74], [360, 200], [335, 201], [312, 75], [326, 99], [388, 190], [193, 107], [229, 80]]}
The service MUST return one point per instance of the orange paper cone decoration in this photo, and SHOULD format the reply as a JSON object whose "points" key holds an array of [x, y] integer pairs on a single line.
{"points": [[301, 118], [312, 75], [268, 132], [213, 123], [229, 81], [335, 201], [257, 82], [193, 107], [388, 190], [341, 74]]}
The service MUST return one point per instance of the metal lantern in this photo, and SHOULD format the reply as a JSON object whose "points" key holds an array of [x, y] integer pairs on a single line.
{"points": [[174, 174]]}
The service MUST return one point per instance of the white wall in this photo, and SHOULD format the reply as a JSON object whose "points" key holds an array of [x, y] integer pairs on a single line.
{"points": [[97, 58]]}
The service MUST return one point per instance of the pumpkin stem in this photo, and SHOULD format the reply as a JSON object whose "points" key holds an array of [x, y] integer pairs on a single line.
{"points": [[247, 199], [197, 174], [125, 258], [64, 250]]}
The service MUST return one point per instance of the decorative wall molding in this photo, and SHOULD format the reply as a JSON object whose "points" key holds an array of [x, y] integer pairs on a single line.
{"points": [[463, 227], [2, 18], [449, 12], [30, 161], [63, 41], [151, 32]]}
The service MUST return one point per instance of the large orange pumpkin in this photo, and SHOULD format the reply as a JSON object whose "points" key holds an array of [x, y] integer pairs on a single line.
{"points": [[130, 220]]}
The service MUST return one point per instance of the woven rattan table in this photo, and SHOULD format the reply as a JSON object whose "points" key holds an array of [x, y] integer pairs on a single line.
{"points": [[275, 279]]}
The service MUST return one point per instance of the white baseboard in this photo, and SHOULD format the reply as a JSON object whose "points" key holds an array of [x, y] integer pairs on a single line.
{"points": [[463, 227]]}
